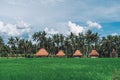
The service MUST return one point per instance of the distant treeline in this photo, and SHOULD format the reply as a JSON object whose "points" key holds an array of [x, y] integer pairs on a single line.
{"points": [[53, 43]]}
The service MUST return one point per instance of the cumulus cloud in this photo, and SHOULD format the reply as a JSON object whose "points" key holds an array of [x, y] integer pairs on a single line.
{"points": [[9, 29], [74, 28], [94, 25], [114, 34], [1, 26], [50, 31], [22, 25], [14, 29]]}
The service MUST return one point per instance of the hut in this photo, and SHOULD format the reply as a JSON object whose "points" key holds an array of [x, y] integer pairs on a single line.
{"points": [[94, 54], [42, 53], [113, 53], [60, 54], [77, 54]]}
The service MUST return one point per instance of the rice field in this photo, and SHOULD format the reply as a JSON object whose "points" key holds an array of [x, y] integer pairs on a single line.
{"points": [[59, 69]]}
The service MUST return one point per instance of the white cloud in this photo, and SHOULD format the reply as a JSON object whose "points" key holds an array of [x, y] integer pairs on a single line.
{"points": [[8, 29], [22, 25], [1, 26], [13, 30], [42, 13], [94, 25], [114, 34], [74, 28], [50, 31]]}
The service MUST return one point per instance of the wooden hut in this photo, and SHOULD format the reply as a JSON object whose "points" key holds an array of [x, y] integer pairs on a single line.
{"points": [[77, 54], [60, 54], [42, 53], [113, 53], [94, 54]]}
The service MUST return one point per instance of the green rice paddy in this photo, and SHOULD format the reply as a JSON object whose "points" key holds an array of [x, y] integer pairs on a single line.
{"points": [[59, 69]]}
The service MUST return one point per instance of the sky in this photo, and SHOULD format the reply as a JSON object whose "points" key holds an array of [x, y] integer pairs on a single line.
{"points": [[24, 17]]}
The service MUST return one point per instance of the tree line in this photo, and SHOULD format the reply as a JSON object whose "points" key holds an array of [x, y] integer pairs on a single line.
{"points": [[16, 47]]}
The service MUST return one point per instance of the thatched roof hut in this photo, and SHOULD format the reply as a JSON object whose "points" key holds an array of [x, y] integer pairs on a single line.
{"points": [[60, 54], [94, 54], [77, 54], [42, 52]]}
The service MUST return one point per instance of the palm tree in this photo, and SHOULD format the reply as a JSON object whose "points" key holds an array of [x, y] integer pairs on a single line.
{"points": [[11, 43], [49, 45], [6, 50], [95, 39], [68, 46], [26, 47], [88, 41], [72, 42], [61, 41], [56, 40], [81, 42], [39, 37], [1, 45], [107, 44], [117, 43]]}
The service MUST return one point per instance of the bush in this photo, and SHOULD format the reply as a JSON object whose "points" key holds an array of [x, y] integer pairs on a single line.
{"points": [[28, 56]]}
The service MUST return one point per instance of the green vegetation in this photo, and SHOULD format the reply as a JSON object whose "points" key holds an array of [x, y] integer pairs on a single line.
{"points": [[17, 47], [59, 69]]}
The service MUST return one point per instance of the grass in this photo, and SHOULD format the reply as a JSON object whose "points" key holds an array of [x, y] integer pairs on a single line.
{"points": [[60, 69]]}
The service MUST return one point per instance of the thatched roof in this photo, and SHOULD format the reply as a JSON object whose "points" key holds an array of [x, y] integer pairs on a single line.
{"points": [[42, 52], [94, 53], [77, 53], [60, 54]]}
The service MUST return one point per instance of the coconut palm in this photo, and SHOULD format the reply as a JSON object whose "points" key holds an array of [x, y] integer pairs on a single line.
{"points": [[56, 39], [81, 42], [107, 44], [1, 45], [39, 37], [88, 41], [11, 43], [49, 45], [68, 46], [95, 39], [26, 47], [61, 36]]}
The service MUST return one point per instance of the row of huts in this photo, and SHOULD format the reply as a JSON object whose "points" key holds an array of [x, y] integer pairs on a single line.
{"points": [[44, 53]]}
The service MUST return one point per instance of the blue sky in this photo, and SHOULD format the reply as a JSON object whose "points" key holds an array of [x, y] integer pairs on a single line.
{"points": [[24, 17]]}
